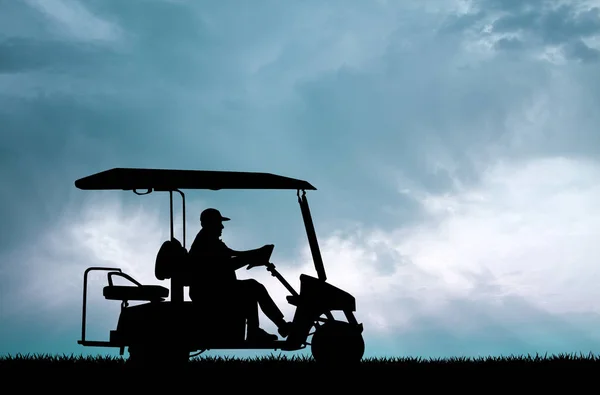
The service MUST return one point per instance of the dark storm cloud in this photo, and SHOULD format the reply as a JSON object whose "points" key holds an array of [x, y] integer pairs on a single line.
{"points": [[537, 23]]}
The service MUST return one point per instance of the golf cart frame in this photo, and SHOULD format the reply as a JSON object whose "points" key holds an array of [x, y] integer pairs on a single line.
{"points": [[332, 340]]}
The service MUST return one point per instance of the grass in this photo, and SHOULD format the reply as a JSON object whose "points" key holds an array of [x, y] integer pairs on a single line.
{"points": [[42, 360], [69, 360], [566, 360], [371, 370]]}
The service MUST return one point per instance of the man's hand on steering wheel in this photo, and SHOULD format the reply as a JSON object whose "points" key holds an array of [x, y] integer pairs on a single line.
{"points": [[256, 263]]}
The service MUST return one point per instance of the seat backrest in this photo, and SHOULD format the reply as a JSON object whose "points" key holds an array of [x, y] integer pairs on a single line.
{"points": [[170, 259]]}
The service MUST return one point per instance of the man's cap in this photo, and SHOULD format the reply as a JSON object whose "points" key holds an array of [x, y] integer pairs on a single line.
{"points": [[212, 215]]}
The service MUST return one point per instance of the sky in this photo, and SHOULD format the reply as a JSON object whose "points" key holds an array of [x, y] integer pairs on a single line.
{"points": [[454, 146]]}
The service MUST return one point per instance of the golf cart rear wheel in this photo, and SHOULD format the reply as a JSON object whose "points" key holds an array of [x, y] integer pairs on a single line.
{"points": [[337, 343], [154, 356]]}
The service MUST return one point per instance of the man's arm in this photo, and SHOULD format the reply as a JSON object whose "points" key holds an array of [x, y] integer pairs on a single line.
{"points": [[216, 260], [245, 253], [238, 262], [223, 255]]}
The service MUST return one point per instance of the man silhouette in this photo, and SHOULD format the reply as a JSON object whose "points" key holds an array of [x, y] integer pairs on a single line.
{"points": [[215, 265]]}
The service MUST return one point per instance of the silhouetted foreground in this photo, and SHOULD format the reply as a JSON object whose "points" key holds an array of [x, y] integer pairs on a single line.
{"points": [[386, 369], [35, 360]]}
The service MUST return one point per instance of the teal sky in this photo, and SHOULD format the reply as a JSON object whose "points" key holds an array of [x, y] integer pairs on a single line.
{"points": [[454, 146]]}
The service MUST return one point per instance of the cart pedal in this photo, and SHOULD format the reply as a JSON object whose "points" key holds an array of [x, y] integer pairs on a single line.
{"points": [[293, 300]]}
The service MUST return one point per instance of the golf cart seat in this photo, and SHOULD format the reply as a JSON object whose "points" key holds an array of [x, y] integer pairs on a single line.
{"points": [[170, 260], [149, 293], [137, 292]]}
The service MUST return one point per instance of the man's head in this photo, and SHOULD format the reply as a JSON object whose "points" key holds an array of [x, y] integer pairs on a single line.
{"points": [[212, 221]]}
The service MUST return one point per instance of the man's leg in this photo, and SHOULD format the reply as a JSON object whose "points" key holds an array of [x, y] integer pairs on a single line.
{"points": [[248, 306], [257, 293], [250, 309]]}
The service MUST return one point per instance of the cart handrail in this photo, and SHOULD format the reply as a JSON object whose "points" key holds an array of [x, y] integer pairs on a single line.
{"points": [[121, 274], [85, 278]]}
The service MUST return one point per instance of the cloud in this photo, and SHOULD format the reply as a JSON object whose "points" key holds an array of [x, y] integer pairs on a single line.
{"points": [[509, 254], [273, 93], [104, 230], [73, 19], [50, 276], [362, 101], [527, 27]]}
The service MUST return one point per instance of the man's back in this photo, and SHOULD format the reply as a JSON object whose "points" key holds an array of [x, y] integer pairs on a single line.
{"points": [[210, 261]]}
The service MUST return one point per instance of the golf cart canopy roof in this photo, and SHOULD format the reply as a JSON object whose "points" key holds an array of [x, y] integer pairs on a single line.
{"points": [[169, 180]]}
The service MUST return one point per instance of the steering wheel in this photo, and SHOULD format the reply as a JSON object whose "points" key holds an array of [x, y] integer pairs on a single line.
{"points": [[263, 256]]}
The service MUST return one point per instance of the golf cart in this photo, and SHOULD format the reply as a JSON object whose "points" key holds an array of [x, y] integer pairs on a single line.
{"points": [[158, 331]]}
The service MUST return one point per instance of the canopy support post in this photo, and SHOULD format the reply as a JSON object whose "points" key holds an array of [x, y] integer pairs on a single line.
{"points": [[176, 282], [312, 237]]}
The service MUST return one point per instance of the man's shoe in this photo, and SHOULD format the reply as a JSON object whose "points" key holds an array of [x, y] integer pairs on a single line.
{"points": [[284, 329], [260, 336]]}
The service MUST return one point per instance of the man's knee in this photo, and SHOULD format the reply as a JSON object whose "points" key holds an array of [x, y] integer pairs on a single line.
{"points": [[253, 286]]}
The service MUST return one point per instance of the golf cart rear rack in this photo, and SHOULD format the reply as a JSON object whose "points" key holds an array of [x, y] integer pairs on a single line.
{"points": [[83, 341], [125, 294]]}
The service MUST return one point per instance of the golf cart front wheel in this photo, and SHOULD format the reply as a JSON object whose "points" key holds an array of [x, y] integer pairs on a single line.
{"points": [[337, 343]]}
